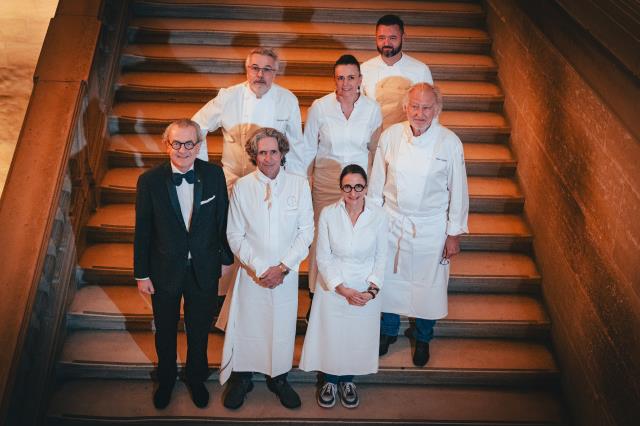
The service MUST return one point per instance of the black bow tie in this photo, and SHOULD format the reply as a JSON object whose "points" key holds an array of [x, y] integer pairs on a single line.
{"points": [[190, 177]]}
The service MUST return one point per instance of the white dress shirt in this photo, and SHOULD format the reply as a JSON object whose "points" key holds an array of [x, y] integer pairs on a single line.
{"points": [[240, 113]]}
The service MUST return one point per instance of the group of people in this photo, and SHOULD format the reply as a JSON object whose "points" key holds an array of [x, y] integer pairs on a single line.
{"points": [[373, 193]]}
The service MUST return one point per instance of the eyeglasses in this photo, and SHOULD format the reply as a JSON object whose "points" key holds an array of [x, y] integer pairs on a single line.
{"points": [[349, 188], [188, 145], [254, 69], [444, 261]]}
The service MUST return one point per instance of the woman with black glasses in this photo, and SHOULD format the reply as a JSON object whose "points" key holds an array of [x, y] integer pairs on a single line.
{"points": [[343, 334]]}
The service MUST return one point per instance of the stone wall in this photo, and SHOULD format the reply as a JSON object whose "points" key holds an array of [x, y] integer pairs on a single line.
{"points": [[579, 168], [23, 25]]}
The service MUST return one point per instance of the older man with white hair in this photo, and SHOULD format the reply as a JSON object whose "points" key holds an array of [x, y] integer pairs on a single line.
{"points": [[419, 176]]}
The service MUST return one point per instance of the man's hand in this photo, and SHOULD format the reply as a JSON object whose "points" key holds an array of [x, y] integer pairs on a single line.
{"points": [[451, 246], [272, 278], [354, 297], [145, 286]]}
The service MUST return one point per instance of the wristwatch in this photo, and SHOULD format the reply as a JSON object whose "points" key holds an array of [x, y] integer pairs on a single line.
{"points": [[283, 269]]}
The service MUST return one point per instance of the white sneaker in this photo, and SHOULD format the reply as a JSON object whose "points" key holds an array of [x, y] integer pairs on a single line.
{"points": [[348, 395], [327, 395]]}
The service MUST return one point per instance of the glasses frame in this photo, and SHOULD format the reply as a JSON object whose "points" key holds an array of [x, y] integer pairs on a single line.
{"points": [[173, 144], [254, 69], [352, 188]]}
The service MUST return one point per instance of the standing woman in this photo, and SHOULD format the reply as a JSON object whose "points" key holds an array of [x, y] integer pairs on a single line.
{"points": [[344, 328], [341, 128]]}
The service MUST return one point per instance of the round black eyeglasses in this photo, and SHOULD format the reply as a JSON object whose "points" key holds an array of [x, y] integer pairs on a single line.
{"points": [[188, 145], [349, 188]]}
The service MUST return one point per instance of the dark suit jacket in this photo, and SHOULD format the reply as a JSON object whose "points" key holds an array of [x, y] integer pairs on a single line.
{"points": [[162, 242]]}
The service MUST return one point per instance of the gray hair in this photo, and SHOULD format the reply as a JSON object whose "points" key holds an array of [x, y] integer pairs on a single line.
{"points": [[424, 87], [264, 51], [266, 132], [182, 123]]}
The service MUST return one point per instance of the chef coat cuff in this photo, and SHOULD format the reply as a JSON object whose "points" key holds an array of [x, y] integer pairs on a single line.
{"points": [[334, 282], [260, 267], [373, 278], [290, 263], [455, 229], [142, 279]]}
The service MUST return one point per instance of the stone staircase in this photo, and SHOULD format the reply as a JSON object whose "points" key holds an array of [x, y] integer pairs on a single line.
{"points": [[491, 361]]}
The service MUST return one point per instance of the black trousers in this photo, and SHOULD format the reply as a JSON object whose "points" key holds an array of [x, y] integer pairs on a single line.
{"points": [[199, 310]]}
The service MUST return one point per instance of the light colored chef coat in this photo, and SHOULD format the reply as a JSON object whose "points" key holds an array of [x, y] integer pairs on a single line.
{"points": [[387, 84], [423, 184], [270, 222], [332, 142], [240, 113], [342, 339]]}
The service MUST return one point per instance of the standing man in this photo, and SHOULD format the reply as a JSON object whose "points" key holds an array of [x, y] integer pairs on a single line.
{"points": [[270, 229], [386, 78], [419, 175], [179, 248], [242, 109]]}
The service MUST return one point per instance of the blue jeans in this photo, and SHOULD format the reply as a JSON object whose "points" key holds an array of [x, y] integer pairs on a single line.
{"points": [[330, 378], [390, 326]]}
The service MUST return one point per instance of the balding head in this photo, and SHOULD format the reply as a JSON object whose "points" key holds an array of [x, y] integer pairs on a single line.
{"points": [[422, 103]]}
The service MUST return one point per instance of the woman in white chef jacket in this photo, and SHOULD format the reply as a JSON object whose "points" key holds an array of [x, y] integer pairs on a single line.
{"points": [[341, 128], [343, 333]]}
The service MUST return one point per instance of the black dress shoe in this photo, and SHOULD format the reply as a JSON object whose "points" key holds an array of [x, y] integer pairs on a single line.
{"points": [[385, 341], [199, 394], [288, 397], [421, 354], [162, 396], [237, 391]]}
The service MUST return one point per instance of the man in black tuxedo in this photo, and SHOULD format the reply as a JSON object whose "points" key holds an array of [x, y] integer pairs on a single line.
{"points": [[180, 248]]}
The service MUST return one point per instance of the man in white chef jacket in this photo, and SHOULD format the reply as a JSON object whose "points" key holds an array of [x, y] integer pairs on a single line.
{"points": [[386, 77], [240, 110], [270, 228], [419, 176]]}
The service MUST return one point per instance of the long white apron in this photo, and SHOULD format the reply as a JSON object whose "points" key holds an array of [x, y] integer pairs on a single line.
{"points": [[415, 280], [342, 339], [260, 333]]}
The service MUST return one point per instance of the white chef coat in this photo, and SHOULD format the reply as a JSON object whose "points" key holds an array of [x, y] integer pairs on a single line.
{"points": [[423, 184], [240, 113], [331, 142], [270, 222], [387, 84], [342, 339]]}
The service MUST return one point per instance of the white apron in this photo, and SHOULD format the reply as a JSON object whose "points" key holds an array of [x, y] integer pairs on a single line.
{"points": [[415, 281], [342, 339], [254, 314]]}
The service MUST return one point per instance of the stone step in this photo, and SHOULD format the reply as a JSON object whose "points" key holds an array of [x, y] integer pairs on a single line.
{"points": [[301, 34], [471, 271], [186, 87], [131, 355], [147, 150], [498, 232], [294, 61], [122, 307], [412, 12], [154, 117], [486, 194], [89, 402]]}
